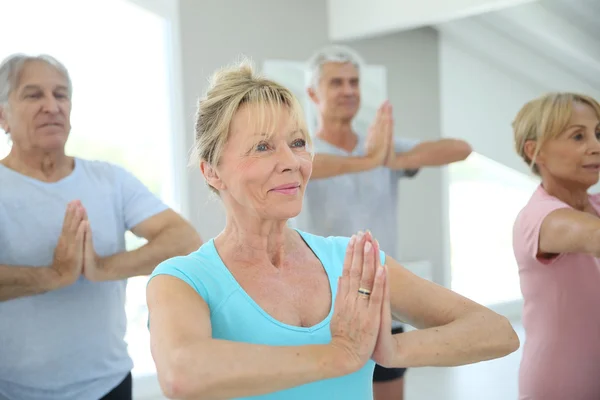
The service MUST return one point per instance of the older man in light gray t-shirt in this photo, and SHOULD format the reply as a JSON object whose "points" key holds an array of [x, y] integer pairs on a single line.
{"points": [[355, 176]]}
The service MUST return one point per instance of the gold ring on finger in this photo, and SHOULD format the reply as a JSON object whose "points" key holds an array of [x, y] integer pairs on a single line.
{"points": [[364, 292]]}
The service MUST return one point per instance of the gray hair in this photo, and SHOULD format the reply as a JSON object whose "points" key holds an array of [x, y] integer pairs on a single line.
{"points": [[12, 68], [335, 53]]}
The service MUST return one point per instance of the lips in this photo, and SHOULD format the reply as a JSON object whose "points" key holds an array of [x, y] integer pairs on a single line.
{"points": [[287, 186]]}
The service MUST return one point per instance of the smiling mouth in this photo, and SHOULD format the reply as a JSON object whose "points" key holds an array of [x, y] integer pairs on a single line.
{"points": [[592, 166]]}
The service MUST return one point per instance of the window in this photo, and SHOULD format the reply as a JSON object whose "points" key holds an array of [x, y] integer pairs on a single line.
{"points": [[117, 54], [485, 198]]}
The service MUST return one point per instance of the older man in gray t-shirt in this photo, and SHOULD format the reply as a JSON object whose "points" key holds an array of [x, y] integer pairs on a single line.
{"points": [[355, 176]]}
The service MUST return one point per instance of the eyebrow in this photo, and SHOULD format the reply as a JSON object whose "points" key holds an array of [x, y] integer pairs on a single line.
{"points": [[291, 133], [37, 87]]}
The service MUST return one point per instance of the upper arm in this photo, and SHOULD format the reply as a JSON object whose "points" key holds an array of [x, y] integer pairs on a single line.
{"points": [[178, 315], [152, 226], [138, 202], [567, 230], [421, 303]]}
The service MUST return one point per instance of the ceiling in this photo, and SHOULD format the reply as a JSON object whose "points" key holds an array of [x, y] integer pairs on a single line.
{"points": [[564, 33]]}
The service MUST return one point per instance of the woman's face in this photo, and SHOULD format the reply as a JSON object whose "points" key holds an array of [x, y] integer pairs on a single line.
{"points": [[39, 109], [264, 174], [573, 156]]}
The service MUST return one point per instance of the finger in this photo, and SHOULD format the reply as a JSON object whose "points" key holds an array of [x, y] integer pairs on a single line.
{"points": [[357, 263], [386, 310], [377, 294], [80, 235], [69, 214], [369, 267], [76, 219], [89, 244], [79, 242], [348, 257], [84, 211], [377, 250]]}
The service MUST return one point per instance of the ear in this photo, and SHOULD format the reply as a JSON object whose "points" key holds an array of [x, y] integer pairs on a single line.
{"points": [[211, 176], [312, 93], [4, 119], [529, 149]]}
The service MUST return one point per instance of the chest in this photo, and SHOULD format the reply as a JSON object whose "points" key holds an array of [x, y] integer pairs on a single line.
{"points": [[31, 221], [298, 295]]}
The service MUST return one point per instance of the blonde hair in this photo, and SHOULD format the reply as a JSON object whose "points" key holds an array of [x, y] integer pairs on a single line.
{"points": [[545, 118], [230, 88]]}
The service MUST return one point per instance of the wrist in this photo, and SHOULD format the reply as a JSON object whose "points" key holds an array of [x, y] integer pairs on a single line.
{"points": [[52, 279], [340, 361], [372, 162]]}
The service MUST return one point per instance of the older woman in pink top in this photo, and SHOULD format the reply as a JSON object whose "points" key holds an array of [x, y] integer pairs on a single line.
{"points": [[557, 246]]}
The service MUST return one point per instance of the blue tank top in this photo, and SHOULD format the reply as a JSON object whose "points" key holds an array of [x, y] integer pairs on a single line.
{"points": [[235, 316]]}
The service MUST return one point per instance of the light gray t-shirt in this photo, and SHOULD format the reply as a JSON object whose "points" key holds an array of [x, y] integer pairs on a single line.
{"points": [[344, 204], [66, 344]]}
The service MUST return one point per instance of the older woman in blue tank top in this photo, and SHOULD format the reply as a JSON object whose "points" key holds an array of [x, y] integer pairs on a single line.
{"points": [[267, 312]]}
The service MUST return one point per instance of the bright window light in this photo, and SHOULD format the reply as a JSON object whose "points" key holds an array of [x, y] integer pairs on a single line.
{"points": [[117, 55], [485, 198]]}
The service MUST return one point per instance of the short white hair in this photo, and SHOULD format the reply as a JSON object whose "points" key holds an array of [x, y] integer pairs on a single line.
{"points": [[12, 68], [335, 53]]}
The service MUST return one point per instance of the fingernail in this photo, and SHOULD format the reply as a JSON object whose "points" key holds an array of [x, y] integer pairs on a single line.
{"points": [[368, 247]]}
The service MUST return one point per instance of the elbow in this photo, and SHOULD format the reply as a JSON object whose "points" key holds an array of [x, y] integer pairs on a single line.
{"points": [[504, 338], [463, 150], [189, 240], [177, 383]]}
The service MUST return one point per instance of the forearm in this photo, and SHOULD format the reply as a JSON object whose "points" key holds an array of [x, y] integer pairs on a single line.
{"points": [[171, 242], [328, 165], [218, 369], [431, 154], [478, 336], [17, 281]]}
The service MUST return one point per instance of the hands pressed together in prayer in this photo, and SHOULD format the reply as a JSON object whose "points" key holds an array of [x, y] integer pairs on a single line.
{"points": [[362, 318], [74, 254], [380, 139]]}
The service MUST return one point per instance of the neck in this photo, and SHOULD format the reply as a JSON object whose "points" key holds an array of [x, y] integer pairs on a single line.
{"points": [[43, 165], [336, 131], [574, 195], [255, 242]]}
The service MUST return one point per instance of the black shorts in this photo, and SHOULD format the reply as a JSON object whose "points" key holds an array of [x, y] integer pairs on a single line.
{"points": [[382, 374]]}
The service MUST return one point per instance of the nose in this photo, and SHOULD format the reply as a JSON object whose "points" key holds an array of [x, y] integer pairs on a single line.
{"points": [[287, 159], [348, 89], [50, 105]]}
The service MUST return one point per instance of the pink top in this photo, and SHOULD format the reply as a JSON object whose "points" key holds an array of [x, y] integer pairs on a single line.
{"points": [[561, 314]]}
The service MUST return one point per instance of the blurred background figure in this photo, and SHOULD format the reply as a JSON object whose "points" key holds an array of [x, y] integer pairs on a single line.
{"points": [[63, 261], [355, 177], [557, 246]]}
